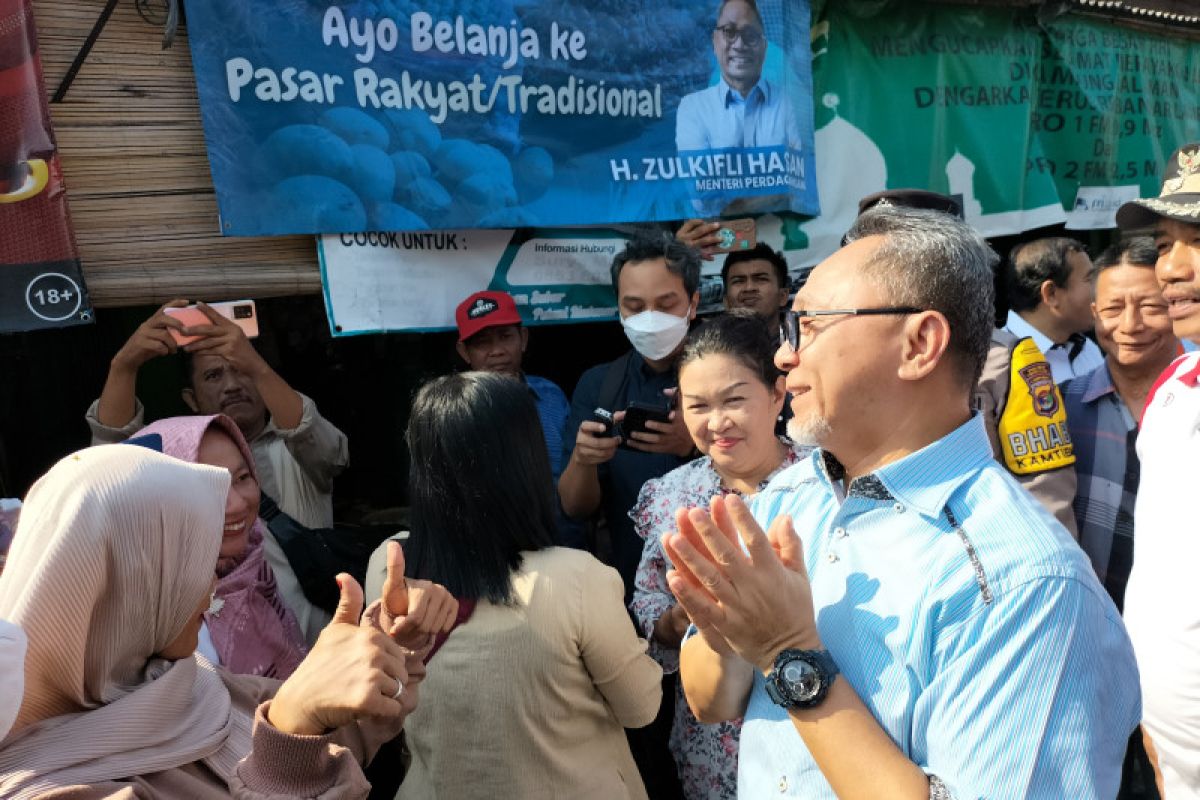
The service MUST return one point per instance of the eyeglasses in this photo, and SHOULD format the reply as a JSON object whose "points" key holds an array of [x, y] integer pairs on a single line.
{"points": [[750, 36], [789, 331]]}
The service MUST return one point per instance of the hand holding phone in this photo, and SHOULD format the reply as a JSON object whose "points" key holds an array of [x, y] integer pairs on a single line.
{"points": [[656, 428], [639, 413], [736, 234], [241, 312], [596, 441]]}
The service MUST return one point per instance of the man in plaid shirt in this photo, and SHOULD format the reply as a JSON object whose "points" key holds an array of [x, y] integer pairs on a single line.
{"points": [[1105, 405]]}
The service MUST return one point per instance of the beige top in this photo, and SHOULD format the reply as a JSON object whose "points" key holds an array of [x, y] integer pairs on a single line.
{"points": [[528, 701]]}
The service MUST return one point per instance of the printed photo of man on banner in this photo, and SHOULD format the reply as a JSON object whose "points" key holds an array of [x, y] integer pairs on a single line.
{"points": [[744, 121]]}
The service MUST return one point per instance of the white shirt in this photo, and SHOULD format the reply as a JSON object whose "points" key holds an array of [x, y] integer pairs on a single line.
{"points": [[205, 645], [1162, 606], [12, 673], [1062, 366]]}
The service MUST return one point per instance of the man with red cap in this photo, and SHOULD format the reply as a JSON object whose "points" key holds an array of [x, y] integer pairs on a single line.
{"points": [[492, 339], [1162, 609]]}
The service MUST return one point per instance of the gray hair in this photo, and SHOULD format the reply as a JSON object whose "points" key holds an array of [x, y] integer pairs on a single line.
{"points": [[934, 261]]}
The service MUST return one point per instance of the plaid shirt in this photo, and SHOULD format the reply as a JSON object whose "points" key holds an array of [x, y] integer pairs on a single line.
{"points": [[1106, 465]]}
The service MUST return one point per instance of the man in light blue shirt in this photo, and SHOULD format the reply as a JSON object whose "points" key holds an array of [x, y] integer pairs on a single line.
{"points": [[743, 110], [721, 116], [913, 624]]}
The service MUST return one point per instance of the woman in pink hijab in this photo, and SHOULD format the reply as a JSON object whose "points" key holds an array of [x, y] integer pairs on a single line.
{"points": [[248, 629]]}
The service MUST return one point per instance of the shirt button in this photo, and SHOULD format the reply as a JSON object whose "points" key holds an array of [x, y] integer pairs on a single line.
{"points": [[831, 557], [899, 508], [839, 533], [783, 784]]}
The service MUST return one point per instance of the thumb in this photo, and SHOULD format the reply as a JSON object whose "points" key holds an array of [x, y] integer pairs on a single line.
{"points": [[395, 590], [350, 605]]}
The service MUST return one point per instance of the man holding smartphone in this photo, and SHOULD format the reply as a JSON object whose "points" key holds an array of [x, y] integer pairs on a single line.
{"points": [[656, 279], [297, 452]]}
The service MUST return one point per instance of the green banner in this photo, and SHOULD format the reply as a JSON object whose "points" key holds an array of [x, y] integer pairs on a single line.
{"points": [[1031, 123]]}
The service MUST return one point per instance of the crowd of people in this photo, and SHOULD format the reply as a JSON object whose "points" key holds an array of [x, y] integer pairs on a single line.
{"points": [[869, 545]]}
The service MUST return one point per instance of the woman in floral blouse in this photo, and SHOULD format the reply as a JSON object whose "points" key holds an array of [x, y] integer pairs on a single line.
{"points": [[731, 394]]}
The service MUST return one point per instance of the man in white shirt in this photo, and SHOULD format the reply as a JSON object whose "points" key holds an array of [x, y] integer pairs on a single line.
{"points": [[1162, 609], [1050, 285]]}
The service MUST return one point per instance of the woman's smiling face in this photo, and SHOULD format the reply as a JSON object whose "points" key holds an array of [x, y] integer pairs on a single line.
{"points": [[729, 412], [217, 449]]}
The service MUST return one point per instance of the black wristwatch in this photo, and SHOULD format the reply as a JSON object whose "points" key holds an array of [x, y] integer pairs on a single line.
{"points": [[801, 678]]}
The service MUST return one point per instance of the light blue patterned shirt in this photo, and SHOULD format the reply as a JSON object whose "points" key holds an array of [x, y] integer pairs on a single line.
{"points": [[966, 619], [718, 117]]}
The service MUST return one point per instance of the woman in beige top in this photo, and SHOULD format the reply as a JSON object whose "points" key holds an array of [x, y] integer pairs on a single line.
{"points": [[110, 574], [527, 697]]}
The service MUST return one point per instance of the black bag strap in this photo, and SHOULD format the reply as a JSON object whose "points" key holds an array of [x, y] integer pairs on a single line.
{"points": [[615, 378], [307, 553]]}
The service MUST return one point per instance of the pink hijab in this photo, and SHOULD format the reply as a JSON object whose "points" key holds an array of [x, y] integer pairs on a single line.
{"points": [[114, 551], [253, 631]]}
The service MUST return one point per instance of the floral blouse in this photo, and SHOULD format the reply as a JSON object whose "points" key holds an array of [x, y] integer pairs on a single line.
{"points": [[706, 755]]}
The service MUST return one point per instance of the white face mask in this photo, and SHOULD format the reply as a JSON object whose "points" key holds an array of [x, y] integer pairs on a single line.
{"points": [[656, 334]]}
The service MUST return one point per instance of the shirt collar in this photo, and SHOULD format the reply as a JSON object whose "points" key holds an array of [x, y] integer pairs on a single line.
{"points": [[529, 385], [1018, 327], [1192, 376], [923, 480], [1099, 383], [727, 94]]}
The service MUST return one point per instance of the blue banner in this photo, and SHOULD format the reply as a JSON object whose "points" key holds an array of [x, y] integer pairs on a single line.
{"points": [[397, 115]]}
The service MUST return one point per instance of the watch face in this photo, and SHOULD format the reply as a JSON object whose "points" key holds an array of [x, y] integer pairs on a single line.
{"points": [[801, 679]]}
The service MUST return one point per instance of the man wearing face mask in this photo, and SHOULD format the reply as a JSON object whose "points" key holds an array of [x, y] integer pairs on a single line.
{"points": [[656, 279]]}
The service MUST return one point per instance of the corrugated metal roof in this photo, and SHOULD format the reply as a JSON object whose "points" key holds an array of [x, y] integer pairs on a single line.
{"points": [[1178, 17], [1164, 12]]}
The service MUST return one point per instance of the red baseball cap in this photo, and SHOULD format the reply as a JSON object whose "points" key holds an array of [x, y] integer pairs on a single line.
{"points": [[485, 310]]}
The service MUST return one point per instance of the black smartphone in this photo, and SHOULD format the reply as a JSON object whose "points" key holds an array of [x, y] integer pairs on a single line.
{"points": [[639, 413], [605, 418]]}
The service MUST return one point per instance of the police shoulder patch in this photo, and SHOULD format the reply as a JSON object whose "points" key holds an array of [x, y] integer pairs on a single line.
{"points": [[1033, 425]]}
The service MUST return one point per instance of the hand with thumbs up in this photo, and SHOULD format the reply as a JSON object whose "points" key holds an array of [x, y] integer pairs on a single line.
{"points": [[352, 671], [413, 611]]}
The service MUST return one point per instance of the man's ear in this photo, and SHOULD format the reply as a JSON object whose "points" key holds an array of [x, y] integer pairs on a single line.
{"points": [[1049, 292], [783, 297], [1095, 314], [695, 304], [189, 399], [926, 339], [779, 393], [461, 349], [524, 338]]}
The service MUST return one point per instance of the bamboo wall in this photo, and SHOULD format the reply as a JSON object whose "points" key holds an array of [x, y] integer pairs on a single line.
{"points": [[138, 182]]}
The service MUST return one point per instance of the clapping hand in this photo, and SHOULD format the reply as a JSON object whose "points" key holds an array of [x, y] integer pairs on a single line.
{"points": [[753, 602]]}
